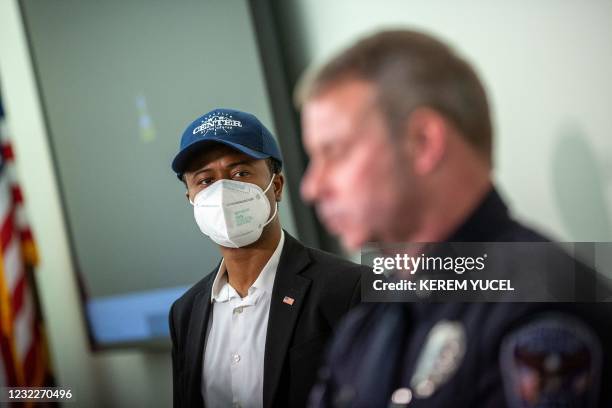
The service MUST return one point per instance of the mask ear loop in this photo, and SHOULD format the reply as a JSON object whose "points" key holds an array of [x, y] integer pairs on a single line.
{"points": [[269, 184], [275, 203], [273, 215]]}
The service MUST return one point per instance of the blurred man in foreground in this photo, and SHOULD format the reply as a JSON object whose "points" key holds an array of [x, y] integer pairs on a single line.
{"points": [[399, 136], [251, 332]]}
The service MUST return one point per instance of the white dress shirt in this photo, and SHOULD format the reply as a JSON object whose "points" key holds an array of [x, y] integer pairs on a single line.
{"points": [[234, 349]]}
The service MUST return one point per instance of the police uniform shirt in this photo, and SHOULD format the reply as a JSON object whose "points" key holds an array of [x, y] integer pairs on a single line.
{"points": [[471, 354]]}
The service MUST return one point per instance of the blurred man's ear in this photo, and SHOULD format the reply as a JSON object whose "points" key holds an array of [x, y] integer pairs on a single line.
{"points": [[426, 140]]}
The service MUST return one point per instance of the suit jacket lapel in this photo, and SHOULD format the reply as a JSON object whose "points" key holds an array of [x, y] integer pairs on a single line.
{"points": [[283, 316], [196, 335]]}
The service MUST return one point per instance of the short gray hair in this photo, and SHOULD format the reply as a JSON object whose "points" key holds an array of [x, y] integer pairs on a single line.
{"points": [[411, 70]]}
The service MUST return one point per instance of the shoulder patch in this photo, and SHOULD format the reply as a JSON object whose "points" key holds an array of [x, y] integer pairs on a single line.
{"points": [[554, 361]]}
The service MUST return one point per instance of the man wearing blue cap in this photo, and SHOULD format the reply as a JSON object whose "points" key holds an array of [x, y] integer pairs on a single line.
{"points": [[251, 333]]}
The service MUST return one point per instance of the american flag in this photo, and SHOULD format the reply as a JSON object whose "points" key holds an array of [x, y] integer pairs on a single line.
{"points": [[24, 358]]}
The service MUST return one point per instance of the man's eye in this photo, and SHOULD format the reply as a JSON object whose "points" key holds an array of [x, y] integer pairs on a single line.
{"points": [[241, 173], [335, 151], [205, 181]]}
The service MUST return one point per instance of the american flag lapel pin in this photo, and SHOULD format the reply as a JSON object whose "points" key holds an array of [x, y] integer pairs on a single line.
{"points": [[288, 300]]}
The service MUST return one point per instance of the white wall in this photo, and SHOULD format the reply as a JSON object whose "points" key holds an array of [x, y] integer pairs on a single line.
{"points": [[547, 67], [127, 378]]}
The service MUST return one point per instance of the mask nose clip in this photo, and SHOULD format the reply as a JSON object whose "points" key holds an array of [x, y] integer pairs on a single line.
{"points": [[265, 191]]}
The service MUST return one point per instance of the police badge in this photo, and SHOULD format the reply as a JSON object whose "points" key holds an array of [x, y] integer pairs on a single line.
{"points": [[442, 354]]}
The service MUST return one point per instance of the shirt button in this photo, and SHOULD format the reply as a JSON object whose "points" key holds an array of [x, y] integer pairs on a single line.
{"points": [[236, 358], [238, 310]]}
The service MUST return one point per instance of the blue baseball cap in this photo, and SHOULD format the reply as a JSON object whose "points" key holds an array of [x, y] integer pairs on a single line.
{"points": [[239, 130]]}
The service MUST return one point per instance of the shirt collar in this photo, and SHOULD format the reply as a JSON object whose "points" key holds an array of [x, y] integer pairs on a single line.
{"points": [[221, 289], [486, 222]]}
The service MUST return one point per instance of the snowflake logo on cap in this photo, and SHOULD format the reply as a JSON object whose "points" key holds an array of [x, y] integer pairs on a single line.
{"points": [[215, 122]]}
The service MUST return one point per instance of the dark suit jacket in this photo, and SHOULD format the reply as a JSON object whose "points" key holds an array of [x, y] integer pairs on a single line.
{"points": [[323, 287]]}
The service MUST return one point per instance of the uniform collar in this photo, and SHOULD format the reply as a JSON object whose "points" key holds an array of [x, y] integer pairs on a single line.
{"points": [[486, 222], [222, 291]]}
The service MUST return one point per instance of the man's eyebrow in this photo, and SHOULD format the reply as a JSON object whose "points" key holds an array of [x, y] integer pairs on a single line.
{"points": [[229, 166], [240, 162], [195, 173]]}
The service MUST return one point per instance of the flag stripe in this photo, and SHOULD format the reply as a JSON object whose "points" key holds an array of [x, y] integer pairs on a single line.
{"points": [[8, 229], [5, 198], [13, 264], [18, 294], [7, 152], [16, 194], [23, 325]]}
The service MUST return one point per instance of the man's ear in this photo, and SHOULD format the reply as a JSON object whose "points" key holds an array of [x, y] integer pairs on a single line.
{"points": [[427, 139], [278, 183]]}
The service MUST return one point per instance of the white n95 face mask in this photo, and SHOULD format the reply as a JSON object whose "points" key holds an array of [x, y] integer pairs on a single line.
{"points": [[233, 213]]}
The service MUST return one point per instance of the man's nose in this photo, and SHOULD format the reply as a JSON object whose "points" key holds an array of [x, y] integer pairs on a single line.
{"points": [[311, 184]]}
